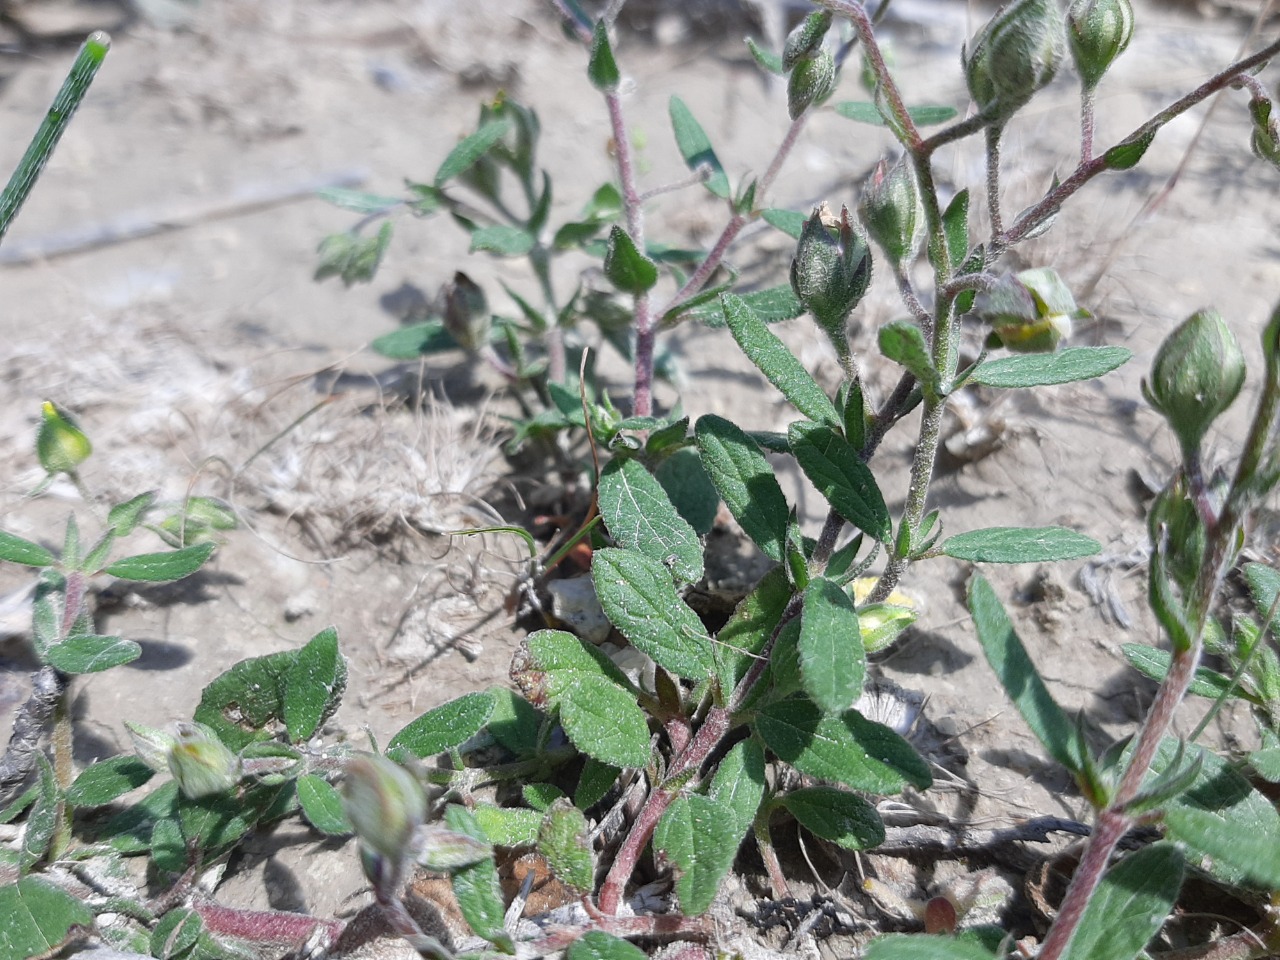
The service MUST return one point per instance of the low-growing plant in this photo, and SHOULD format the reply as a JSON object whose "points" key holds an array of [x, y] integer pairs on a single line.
{"points": [[716, 733]]}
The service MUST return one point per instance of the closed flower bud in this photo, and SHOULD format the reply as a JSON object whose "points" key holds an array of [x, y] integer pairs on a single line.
{"points": [[1031, 312], [891, 209], [444, 850], [1098, 31], [201, 763], [1173, 516], [61, 446], [152, 746], [466, 312], [1014, 56], [805, 39], [811, 82], [1197, 374], [830, 274], [385, 804]]}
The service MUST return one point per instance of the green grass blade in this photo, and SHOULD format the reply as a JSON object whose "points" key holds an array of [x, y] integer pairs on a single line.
{"points": [[86, 65]]}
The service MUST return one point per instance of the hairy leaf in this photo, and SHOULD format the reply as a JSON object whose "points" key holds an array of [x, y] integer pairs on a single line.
{"points": [[640, 599], [598, 945], [36, 918], [696, 836], [739, 784], [696, 148], [420, 339], [625, 266], [89, 653], [640, 517], [836, 815], [776, 362], [832, 661], [16, 550], [503, 240], [468, 151], [838, 472], [313, 685], [918, 946], [446, 726], [162, 567], [1042, 369], [322, 806], [1020, 545], [476, 887], [565, 840], [1130, 905], [108, 780], [923, 116]]}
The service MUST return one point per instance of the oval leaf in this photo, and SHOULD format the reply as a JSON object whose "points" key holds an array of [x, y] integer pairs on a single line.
{"points": [[836, 815], [161, 567], [565, 840], [640, 516], [598, 945], [1130, 905], [106, 781], [37, 918], [16, 550], [1020, 545], [322, 806], [833, 663], [409, 343], [89, 653], [639, 598], [446, 726], [838, 472], [1043, 369], [696, 837], [776, 362], [317, 677], [745, 481], [626, 267], [918, 946], [470, 150]]}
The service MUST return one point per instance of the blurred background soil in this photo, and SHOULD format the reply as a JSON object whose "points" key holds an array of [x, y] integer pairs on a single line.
{"points": [[205, 359]]}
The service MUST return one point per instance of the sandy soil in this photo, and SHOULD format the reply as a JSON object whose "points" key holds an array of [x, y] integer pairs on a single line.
{"points": [[190, 356]]}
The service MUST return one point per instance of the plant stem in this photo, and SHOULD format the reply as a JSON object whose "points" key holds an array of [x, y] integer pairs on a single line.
{"points": [[1086, 124], [993, 186]]}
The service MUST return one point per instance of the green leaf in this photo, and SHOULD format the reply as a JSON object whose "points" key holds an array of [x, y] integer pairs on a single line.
{"points": [[215, 822], [540, 796], [598, 945], [16, 550], [903, 343], [42, 819], [244, 700], [36, 918], [770, 305], [467, 152], [476, 887], [1017, 674], [565, 840], [446, 726], [89, 653], [1130, 905], [691, 491], [742, 638], [1264, 584], [1020, 545], [776, 362], [790, 222], [594, 783], [918, 946], [177, 934], [357, 201], [625, 266], [1042, 369], [1154, 663], [640, 599], [505, 241], [836, 815], [515, 722], [508, 826], [106, 781], [322, 806], [923, 116], [161, 567], [841, 477], [696, 148], [124, 518], [832, 661], [739, 784], [1127, 153], [746, 482], [847, 748], [409, 343], [640, 517], [313, 685], [353, 258], [598, 708], [955, 224], [602, 69], [696, 837]]}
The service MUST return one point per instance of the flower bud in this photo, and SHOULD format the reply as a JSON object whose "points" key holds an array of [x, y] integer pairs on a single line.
{"points": [[806, 38], [880, 624], [201, 763], [1098, 31], [384, 803], [1030, 312], [1197, 374], [152, 746], [466, 312], [812, 81], [1173, 516], [892, 212], [444, 850], [830, 274], [61, 446], [1014, 56]]}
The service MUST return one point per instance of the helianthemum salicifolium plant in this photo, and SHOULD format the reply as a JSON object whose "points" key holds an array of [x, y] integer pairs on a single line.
{"points": [[664, 762]]}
